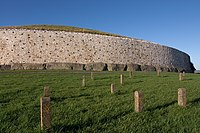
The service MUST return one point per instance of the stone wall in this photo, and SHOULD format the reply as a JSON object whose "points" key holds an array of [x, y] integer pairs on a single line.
{"points": [[40, 47]]}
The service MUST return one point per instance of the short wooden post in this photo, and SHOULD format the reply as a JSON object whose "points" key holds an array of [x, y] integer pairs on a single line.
{"points": [[46, 91], [158, 73], [182, 97], [121, 79], [181, 76], [83, 81], [130, 74], [112, 88], [45, 113], [92, 76], [139, 101]]}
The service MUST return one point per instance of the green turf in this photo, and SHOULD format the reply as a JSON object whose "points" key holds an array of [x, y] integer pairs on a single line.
{"points": [[60, 28], [93, 108]]}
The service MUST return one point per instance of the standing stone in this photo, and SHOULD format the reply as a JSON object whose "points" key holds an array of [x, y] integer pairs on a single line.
{"points": [[46, 91], [121, 79], [112, 88], [182, 97], [83, 81], [92, 76], [130, 74], [181, 76], [45, 113], [139, 101]]}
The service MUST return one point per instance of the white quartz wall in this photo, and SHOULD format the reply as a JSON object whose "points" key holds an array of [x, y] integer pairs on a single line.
{"points": [[37, 46]]}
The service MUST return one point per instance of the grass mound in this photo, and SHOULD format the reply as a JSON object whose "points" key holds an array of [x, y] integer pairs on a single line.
{"points": [[60, 28]]}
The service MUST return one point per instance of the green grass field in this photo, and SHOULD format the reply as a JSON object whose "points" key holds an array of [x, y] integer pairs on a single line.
{"points": [[93, 108]]}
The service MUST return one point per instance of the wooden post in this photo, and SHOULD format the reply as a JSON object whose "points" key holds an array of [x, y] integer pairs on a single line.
{"points": [[112, 88], [46, 91], [182, 97], [83, 81], [121, 79], [139, 101], [158, 73], [181, 76], [92, 76], [45, 113], [130, 74]]}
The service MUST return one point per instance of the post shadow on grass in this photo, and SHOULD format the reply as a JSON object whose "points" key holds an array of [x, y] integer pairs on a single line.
{"points": [[134, 82], [195, 101], [189, 79], [60, 99], [162, 106], [79, 126]]}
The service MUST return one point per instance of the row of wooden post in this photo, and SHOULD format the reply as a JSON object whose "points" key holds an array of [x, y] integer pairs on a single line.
{"points": [[181, 77], [92, 77], [45, 107], [139, 99]]}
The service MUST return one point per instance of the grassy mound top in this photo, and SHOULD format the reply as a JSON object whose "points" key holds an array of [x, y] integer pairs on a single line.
{"points": [[60, 28]]}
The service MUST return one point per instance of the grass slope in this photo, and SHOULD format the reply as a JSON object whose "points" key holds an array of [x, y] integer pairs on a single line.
{"points": [[93, 108], [60, 28]]}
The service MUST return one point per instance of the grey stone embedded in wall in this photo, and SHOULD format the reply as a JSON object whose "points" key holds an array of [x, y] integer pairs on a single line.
{"points": [[5, 67], [16, 66], [76, 66], [133, 67], [171, 69], [117, 67], [32, 66], [163, 69], [89, 67], [66, 66], [147, 68], [100, 67]]}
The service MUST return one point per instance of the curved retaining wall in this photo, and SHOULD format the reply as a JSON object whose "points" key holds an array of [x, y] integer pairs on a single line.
{"points": [[41, 47]]}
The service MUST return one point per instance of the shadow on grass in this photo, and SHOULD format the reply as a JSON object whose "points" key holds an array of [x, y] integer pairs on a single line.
{"points": [[89, 123], [134, 82], [188, 79], [195, 101], [4, 101], [162, 106], [164, 76], [140, 81], [60, 99]]}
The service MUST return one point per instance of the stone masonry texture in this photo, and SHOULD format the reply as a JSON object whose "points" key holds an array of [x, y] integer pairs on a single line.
{"points": [[21, 46]]}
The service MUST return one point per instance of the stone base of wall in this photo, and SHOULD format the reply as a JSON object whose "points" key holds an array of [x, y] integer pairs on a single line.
{"points": [[117, 67], [5, 67], [88, 67]]}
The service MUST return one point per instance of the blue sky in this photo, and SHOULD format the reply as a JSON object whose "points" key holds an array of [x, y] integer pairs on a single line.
{"points": [[175, 23]]}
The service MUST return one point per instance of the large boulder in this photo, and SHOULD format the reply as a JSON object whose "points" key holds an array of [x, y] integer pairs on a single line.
{"points": [[163, 69], [147, 68], [32, 66], [5, 67], [76, 66], [66, 66], [89, 67], [172, 69], [133, 67], [99, 67], [17, 66], [117, 67]]}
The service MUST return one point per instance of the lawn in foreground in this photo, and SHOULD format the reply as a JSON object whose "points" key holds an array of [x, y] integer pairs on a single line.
{"points": [[93, 108]]}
